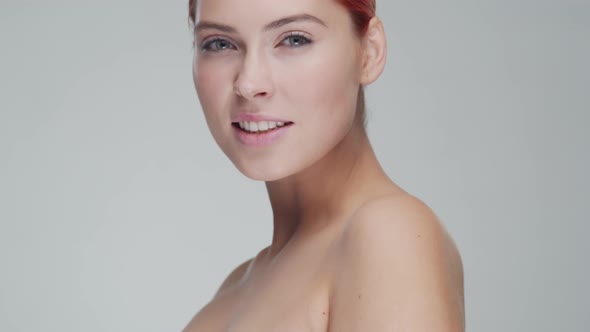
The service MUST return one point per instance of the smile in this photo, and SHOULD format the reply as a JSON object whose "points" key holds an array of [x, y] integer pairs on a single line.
{"points": [[260, 133], [259, 127]]}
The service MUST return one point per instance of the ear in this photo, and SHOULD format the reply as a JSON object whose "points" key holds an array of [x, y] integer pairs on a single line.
{"points": [[374, 51]]}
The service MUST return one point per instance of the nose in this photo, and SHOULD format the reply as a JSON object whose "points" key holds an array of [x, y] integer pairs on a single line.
{"points": [[254, 79]]}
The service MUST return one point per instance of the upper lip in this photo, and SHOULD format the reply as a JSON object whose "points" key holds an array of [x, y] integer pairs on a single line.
{"points": [[252, 117]]}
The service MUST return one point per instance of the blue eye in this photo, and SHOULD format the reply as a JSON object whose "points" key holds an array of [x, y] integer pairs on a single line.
{"points": [[217, 45], [296, 40]]}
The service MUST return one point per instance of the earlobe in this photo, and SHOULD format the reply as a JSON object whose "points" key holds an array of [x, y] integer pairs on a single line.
{"points": [[375, 51]]}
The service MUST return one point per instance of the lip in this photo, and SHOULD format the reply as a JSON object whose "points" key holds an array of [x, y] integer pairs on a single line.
{"points": [[260, 139], [252, 117]]}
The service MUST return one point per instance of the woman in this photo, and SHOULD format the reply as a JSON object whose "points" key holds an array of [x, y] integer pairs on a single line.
{"points": [[281, 86]]}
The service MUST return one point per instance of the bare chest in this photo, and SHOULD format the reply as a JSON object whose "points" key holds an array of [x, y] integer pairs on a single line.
{"points": [[290, 297], [280, 308]]}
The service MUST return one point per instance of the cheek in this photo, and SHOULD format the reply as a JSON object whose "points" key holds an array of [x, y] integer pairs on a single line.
{"points": [[325, 89], [321, 89], [212, 80], [208, 80]]}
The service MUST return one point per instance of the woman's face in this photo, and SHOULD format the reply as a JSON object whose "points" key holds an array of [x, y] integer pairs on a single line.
{"points": [[287, 71]]}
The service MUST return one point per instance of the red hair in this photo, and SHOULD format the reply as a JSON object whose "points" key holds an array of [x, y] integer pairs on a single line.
{"points": [[361, 12]]}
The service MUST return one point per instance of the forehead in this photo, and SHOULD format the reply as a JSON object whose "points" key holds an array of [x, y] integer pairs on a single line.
{"points": [[252, 13]]}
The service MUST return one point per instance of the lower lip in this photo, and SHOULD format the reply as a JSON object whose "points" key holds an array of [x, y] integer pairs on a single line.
{"points": [[260, 138]]}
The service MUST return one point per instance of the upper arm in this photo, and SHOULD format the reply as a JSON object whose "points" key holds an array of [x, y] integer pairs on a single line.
{"points": [[400, 271]]}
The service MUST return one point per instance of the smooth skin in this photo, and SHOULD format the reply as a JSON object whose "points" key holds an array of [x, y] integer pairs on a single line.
{"points": [[351, 250]]}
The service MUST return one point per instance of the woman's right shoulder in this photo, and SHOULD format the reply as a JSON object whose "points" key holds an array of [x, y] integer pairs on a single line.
{"points": [[239, 273], [234, 277]]}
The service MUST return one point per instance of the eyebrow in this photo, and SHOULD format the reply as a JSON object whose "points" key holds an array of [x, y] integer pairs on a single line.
{"points": [[291, 19], [204, 25]]}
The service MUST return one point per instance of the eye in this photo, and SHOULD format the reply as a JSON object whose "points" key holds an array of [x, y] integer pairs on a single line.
{"points": [[296, 39], [217, 45]]}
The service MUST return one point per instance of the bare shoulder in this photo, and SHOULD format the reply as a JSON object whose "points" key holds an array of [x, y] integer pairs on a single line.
{"points": [[234, 276], [399, 265], [399, 222]]}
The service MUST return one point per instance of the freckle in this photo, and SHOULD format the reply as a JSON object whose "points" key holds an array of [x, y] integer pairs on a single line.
{"points": [[324, 313], [359, 296]]}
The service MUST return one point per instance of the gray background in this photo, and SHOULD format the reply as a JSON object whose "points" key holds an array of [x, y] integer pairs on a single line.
{"points": [[119, 213]]}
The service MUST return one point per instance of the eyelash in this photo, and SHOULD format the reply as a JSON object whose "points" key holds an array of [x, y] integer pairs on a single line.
{"points": [[306, 39], [206, 46]]}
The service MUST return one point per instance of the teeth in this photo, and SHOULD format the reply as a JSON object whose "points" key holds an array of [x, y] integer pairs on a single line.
{"points": [[253, 126], [260, 126]]}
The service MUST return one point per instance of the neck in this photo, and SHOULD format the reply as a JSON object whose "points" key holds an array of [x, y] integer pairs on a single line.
{"points": [[327, 192]]}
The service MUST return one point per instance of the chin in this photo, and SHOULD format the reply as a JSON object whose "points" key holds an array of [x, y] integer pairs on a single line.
{"points": [[266, 174], [265, 170]]}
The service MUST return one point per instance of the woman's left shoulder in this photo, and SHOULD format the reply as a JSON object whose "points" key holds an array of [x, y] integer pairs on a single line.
{"points": [[399, 265], [398, 222]]}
